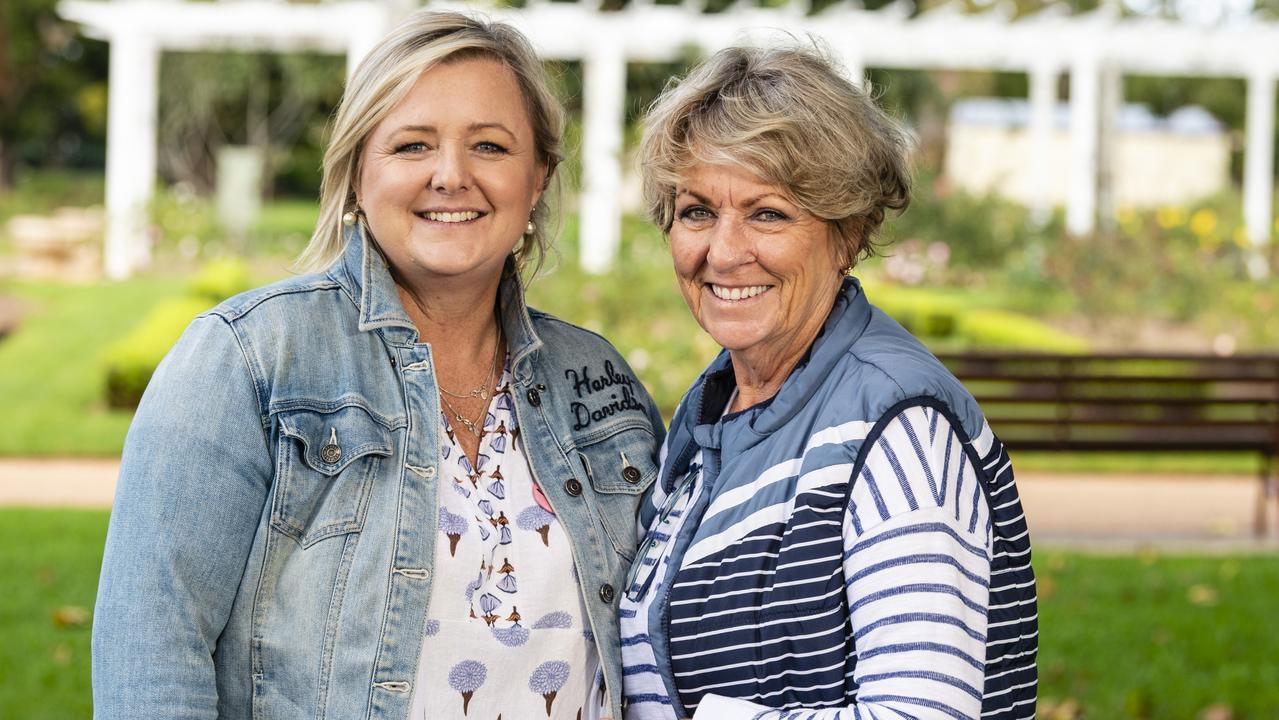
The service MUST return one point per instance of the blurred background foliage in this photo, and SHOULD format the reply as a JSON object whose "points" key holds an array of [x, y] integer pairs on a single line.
{"points": [[960, 270]]}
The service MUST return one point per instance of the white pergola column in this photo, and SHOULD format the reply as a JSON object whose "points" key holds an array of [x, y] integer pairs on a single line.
{"points": [[1043, 106], [1259, 169], [1112, 100], [1085, 144], [133, 82], [603, 117]]}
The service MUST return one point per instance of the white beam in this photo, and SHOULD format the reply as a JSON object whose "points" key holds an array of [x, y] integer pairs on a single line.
{"points": [[133, 80], [1259, 169], [603, 115], [1085, 127]]}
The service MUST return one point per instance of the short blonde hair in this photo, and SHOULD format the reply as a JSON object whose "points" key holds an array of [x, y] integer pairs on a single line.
{"points": [[385, 76], [789, 116]]}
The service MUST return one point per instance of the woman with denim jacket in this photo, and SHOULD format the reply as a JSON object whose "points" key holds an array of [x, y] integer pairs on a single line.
{"points": [[388, 489], [835, 533]]}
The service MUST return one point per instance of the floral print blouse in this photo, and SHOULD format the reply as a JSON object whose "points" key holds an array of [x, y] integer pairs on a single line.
{"points": [[506, 632]]}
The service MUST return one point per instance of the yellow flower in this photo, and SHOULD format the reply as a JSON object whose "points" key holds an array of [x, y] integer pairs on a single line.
{"points": [[1203, 222], [1170, 217]]}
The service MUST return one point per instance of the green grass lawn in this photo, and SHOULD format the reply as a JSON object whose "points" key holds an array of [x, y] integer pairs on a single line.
{"points": [[1121, 637], [49, 560], [50, 369]]}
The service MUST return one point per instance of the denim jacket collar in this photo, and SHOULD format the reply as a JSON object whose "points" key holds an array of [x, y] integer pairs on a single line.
{"points": [[363, 272]]}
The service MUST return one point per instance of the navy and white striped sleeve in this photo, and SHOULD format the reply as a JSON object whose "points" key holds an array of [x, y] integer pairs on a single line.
{"points": [[917, 544]]}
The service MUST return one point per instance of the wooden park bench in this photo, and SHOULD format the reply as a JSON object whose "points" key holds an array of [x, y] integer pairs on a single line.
{"points": [[1131, 403]]}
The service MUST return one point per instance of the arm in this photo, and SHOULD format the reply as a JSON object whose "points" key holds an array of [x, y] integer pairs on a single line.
{"points": [[917, 575], [193, 480]]}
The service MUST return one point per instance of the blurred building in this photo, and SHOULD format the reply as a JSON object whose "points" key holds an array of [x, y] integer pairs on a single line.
{"points": [[1154, 160]]}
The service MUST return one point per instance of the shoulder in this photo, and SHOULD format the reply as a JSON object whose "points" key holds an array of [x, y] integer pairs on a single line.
{"points": [[283, 295], [889, 370], [564, 334]]}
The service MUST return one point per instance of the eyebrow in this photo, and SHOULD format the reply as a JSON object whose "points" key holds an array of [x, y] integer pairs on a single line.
{"points": [[749, 202], [473, 127]]}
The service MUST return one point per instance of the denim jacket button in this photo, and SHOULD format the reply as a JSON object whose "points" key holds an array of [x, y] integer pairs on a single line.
{"points": [[573, 487], [534, 398], [631, 474], [606, 593], [330, 454]]}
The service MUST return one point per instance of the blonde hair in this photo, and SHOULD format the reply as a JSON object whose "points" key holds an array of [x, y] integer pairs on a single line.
{"points": [[382, 80], [790, 117]]}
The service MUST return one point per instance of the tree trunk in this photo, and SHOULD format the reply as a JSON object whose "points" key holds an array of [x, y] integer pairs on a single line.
{"points": [[6, 168]]}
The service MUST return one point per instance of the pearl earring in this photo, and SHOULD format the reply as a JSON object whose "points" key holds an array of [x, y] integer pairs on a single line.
{"points": [[530, 228], [348, 218]]}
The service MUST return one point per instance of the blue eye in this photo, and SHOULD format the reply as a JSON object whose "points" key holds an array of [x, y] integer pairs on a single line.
{"points": [[490, 148], [695, 213], [412, 147], [770, 215]]}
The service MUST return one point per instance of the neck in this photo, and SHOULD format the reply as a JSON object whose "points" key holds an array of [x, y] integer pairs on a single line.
{"points": [[761, 369], [456, 318]]}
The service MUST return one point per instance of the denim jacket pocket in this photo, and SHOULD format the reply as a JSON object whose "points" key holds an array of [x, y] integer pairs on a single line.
{"points": [[327, 462], [621, 466]]}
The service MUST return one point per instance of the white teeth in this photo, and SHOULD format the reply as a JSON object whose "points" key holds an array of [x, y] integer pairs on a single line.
{"points": [[451, 217], [737, 293]]}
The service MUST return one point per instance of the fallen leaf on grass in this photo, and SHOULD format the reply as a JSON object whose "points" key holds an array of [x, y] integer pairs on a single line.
{"points": [[1219, 711], [1202, 595], [70, 616], [1054, 709], [61, 654], [1045, 586]]}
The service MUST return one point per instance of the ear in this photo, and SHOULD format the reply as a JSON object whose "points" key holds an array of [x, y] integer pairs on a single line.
{"points": [[847, 238], [543, 179]]}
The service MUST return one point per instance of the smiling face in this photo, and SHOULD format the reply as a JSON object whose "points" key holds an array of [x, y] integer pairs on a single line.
{"points": [[449, 177], [759, 273]]}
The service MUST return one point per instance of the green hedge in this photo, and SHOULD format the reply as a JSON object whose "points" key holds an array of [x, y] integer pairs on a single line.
{"points": [[947, 323], [131, 360]]}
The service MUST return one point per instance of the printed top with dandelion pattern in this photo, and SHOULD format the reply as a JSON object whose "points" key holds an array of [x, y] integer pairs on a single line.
{"points": [[505, 635]]}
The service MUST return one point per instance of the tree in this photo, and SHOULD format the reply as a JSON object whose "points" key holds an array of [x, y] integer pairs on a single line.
{"points": [[52, 90], [278, 103]]}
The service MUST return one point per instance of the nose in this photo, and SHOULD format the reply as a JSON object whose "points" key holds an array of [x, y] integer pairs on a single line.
{"points": [[452, 172], [730, 245]]}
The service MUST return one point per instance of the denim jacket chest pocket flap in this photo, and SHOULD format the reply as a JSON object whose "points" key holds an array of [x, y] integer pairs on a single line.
{"points": [[327, 461], [620, 464]]}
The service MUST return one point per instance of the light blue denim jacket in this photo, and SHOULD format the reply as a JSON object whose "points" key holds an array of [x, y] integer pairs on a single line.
{"points": [[254, 571]]}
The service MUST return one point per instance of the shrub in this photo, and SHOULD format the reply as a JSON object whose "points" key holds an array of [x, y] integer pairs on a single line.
{"points": [[220, 279], [131, 360]]}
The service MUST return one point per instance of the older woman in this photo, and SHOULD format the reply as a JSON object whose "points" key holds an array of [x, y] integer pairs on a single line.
{"points": [[366, 492], [835, 530]]}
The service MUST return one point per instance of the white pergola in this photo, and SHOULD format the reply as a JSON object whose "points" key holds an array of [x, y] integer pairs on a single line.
{"points": [[1093, 49]]}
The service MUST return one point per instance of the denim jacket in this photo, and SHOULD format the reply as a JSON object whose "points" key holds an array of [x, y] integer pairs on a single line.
{"points": [[270, 549]]}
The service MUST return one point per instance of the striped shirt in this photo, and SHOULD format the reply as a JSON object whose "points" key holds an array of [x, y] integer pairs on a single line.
{"points": [[878, 569]]}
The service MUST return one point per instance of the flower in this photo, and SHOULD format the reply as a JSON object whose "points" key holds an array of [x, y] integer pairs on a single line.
{"points": [[1203, 222]]}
